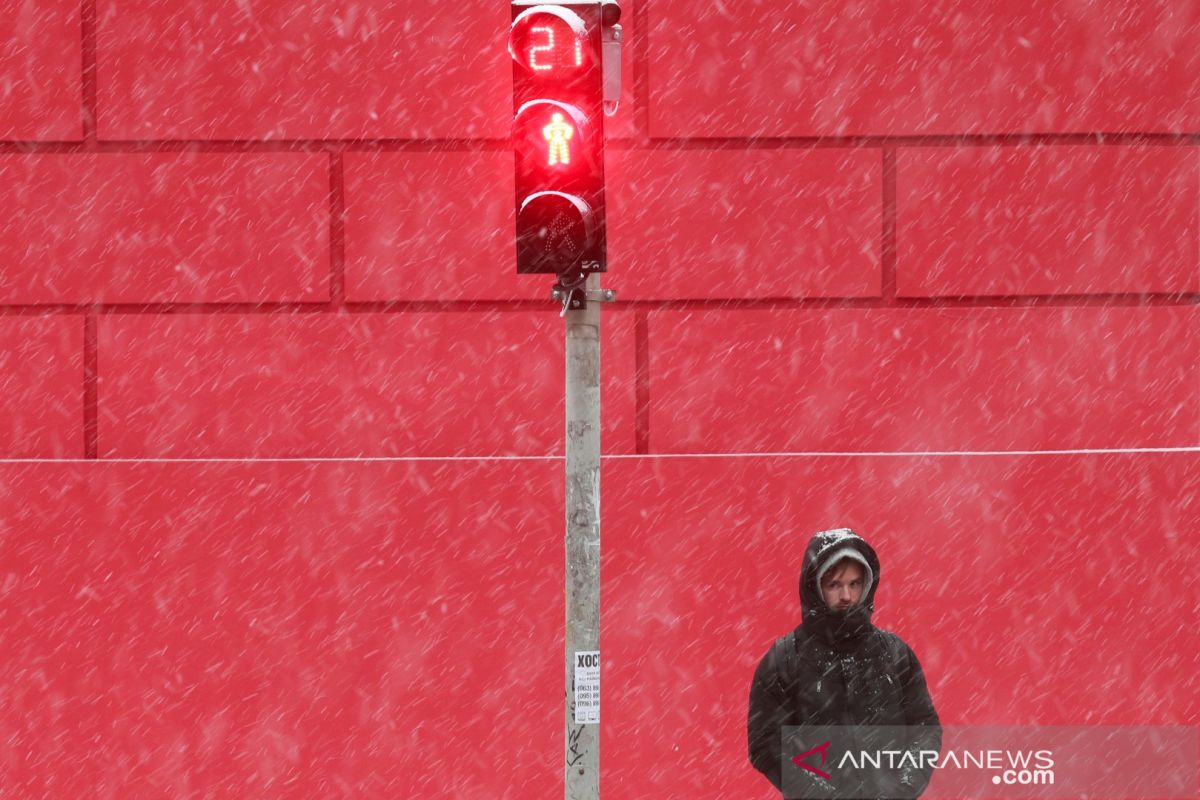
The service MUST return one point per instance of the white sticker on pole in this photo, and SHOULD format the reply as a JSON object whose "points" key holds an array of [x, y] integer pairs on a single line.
{"points": [[587, 687]]}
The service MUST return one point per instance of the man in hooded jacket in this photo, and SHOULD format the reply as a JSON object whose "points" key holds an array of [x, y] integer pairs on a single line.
{"points": [[837, 669]]}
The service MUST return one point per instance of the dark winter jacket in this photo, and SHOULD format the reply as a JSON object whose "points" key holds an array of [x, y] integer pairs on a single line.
{"points": [[846, 672]]}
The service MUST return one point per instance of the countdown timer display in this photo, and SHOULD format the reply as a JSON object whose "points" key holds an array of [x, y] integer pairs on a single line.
{"points": [[549, 41]]}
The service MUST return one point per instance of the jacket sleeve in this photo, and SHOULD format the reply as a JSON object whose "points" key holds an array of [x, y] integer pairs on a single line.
{"points": [[768, 713], [920, 715]]}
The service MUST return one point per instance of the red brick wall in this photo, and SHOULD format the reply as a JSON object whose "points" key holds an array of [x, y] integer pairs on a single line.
{"points": [[280, 495]]}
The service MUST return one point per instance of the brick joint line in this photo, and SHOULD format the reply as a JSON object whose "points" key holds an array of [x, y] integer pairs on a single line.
{"points": [[87, 25], [1146, 300], [887, 250], [384, 144], [337, 230], [641, 382], [91, 380], [620, 457]]}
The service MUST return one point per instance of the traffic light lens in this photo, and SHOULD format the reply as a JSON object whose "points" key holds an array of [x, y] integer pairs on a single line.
{"points": [[551, 138], [554, 231], [548, 45]]}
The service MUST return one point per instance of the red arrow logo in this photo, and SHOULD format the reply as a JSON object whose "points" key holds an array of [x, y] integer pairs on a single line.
{"points": [[823, 749]]}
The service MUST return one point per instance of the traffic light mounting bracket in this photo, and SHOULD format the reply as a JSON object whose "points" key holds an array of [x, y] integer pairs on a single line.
{"points": [[575, 297]]}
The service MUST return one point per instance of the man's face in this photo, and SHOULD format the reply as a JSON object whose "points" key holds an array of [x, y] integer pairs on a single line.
{"points": [[842, 585]]}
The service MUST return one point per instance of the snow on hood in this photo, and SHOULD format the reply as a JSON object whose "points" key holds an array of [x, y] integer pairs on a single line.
{"points": [[822, 550]]}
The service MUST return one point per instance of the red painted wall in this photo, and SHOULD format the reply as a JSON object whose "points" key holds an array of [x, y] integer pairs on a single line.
{"points": [[280, 435]]}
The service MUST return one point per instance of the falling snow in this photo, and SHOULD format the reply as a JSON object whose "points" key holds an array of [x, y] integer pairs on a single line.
{"points": [[282, 436]]}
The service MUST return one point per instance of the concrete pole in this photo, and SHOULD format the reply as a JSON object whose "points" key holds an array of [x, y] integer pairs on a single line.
{"points": [[582, 777]]}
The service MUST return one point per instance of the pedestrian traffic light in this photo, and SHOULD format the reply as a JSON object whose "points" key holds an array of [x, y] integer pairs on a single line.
{"points": [[558, 135]]}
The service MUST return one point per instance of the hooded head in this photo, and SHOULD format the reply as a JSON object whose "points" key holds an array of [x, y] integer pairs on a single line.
{"points": [[825, 557]]}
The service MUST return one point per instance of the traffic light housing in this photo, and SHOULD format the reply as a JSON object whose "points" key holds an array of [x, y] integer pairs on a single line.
{"points": [[558, 135]]}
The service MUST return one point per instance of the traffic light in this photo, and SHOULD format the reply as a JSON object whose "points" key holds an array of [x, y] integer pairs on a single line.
{"points": [[558, 135]]}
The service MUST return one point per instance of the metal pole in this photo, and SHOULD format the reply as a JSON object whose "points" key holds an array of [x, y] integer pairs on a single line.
{"points": [[582, 777]]}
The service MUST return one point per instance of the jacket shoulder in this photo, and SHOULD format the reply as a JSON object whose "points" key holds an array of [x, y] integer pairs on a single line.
{"points": [[779, 658], [890, 637], [896, 649]]}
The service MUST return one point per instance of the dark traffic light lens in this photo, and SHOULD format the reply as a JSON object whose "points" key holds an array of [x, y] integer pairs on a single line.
{"points": [[554, 231]]}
